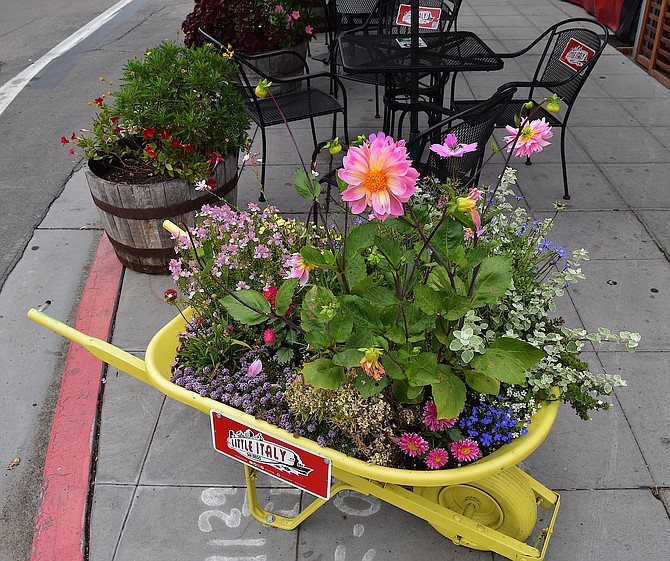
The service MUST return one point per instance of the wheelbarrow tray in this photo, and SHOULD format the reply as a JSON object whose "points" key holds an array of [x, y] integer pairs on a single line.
{"points": [[416, 491]]}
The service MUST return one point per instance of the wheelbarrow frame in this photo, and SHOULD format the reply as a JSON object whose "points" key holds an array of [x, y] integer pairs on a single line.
{"points": [[395, 486]]}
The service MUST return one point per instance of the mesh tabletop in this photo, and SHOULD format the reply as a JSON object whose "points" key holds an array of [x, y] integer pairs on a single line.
{"points": [[443, 52]]}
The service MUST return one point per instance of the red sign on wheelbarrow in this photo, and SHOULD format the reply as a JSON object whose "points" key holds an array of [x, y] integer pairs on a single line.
{"points": [[271, 455]]}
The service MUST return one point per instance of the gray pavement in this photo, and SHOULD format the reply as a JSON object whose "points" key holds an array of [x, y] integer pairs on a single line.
{"points": [[160, 491]]}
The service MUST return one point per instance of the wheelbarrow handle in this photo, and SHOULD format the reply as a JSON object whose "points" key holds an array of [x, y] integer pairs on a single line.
{"points": [[97, 347]]}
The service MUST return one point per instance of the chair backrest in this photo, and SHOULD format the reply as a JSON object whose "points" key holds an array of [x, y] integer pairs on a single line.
{"points": [[475, 124], [447, 16], [571, 50]]}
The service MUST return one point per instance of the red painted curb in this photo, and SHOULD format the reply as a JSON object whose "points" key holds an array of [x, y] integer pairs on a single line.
{"points": [[59, 524]]}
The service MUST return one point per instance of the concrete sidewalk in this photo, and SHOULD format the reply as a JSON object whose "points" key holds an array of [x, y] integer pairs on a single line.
{"points": [[160, 491]]}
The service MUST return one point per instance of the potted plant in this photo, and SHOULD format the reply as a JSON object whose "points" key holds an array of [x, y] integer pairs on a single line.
{"points": [[256, 26], [167, 144], [418, 335]]}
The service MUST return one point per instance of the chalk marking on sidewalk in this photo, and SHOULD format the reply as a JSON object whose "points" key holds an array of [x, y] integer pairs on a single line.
{"points": [[13, 87]]}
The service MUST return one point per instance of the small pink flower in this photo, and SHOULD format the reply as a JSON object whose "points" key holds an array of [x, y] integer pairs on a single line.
{"points": [[269, 336], [295, 14], [299, 269], [412, 444], [64, 141], [279, 8], [170, 295], [451, 148], [309, 29], [379, 175], [255, 367], [431, 420], [71, 151], [465, 450], [149, 132], [533, 137], [436, 458]]}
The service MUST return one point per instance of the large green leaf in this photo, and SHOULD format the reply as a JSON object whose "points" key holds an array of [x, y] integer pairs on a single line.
{"points": [[340, 327], [391, 250], [241, 312], [368, 387], [323, 373], [357, 273], [315, 257], [349, 358], [306, 187], [449, 393], [285, 296], [421, 370], [361, 311], [507, 360], [405, 393], [482, 383], [392, 369], [361, 237], [493, 278], [381, 296], [430, 301]]}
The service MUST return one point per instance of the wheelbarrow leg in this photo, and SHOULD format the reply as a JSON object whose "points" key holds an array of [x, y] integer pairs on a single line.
{"points": [[276, 520]]}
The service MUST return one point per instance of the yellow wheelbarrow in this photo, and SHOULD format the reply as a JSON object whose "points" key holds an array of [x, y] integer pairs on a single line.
{"points": [[490, 504]]}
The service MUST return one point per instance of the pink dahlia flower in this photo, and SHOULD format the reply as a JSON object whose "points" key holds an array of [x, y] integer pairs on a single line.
{"points": [[412, 444], [431, 420], [533, 137], [437, 458], [379, 175], [451, 148], [299, 269], [465, 450]]}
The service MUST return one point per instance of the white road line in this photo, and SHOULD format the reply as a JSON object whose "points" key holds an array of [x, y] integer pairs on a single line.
{"points": [[13, 87]]}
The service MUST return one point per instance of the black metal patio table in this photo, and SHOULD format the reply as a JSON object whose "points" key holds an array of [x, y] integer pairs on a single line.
{"points": [[404, 55]]}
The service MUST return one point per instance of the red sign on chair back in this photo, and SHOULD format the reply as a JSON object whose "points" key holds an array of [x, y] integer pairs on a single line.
{"points": [[576, 54], [429, 18], [271, 455]]}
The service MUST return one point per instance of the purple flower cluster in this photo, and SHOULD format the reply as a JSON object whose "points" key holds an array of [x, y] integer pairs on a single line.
{"points": [[260, 394]]}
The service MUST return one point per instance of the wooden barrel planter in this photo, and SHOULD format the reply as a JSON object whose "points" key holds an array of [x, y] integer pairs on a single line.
{"points": [[132, 215]]}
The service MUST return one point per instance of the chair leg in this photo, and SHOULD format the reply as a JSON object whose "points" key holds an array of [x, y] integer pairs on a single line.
{"points": [[566, 192], [261, 196], [377, 101], [311, 122], [528, 162]]}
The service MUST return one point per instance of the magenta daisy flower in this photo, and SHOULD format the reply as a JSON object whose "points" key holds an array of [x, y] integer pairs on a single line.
{"points": [[431, 420], [451, 147], [465, 450], [533, 137], [379, 175], [436, 458], [412, 444]]}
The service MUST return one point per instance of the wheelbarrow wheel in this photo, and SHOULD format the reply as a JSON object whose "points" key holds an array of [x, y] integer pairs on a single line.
{"points": [[503, 502]]}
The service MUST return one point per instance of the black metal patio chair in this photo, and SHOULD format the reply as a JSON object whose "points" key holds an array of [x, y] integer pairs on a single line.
{"points": [[304, 102], [569, 51]]}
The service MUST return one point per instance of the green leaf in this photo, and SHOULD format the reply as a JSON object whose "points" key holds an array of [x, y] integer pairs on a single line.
{"points": [[361, 311], [368, 387], [493, 278], [380, 296], [241, 312], [306, 187], [421, 370], [482, 383], [507, 360], [314, 256], [448, 237], [356, 273], [285, 296], [449, 393], [457, 306], [340, 328], [360, 237], [391, 250], [323, 373], [405, 393], [430, 301], [349, 358], [284, 355], [392, 369]]}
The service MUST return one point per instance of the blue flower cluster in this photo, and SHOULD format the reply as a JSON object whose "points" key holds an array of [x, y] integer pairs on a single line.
{"points": [[561, 253], [491, 424]]}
